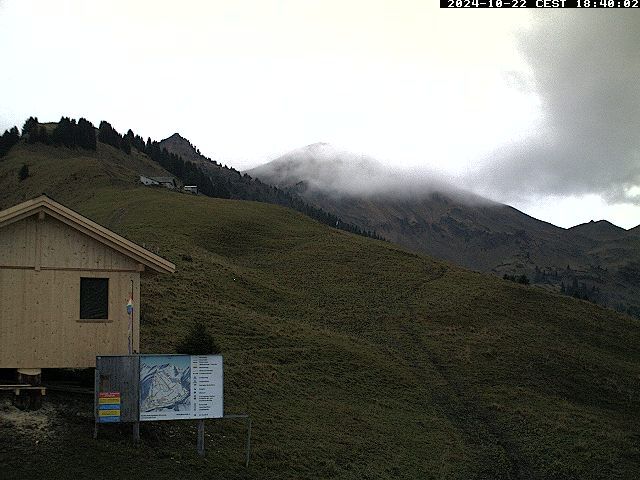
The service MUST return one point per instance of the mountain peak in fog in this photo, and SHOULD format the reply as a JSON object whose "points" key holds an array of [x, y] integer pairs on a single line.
{"points": [[327, 169]]}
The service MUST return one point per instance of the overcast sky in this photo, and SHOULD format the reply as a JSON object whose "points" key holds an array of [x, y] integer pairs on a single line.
{"points": [[536, 108]]}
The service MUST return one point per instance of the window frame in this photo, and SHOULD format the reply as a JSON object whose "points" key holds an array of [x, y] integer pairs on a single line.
{"points": [[80, 298]]}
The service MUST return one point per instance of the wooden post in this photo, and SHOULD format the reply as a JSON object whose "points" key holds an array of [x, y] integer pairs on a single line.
{"points": [[96, 405], [248, 447], [29, 399], [201, 437], [136, 432]]}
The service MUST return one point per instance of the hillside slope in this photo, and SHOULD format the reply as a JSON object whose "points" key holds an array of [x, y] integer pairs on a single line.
{"points": [[244, 187], [431, 216], [68, 174], [356, 358]]}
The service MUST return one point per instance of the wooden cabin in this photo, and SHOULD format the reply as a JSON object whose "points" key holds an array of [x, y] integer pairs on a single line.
{"points": [[65, 286]]}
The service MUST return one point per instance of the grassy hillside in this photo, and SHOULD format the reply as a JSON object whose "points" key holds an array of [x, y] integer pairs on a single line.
{"points": [[69, 175], [355, 358], [596, 261]]}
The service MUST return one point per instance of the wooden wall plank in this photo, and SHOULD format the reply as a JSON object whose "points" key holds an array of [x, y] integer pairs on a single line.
{"points": [[65, 247], [17, 243], [39, 310]]}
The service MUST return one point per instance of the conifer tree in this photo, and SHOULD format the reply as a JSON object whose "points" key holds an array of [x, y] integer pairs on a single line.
{"points": [[30, 129], [65, 133], [43, 136], [23, 174], [8, 139], [86, 134], [198, 341], [107, 134], [125, 146]]}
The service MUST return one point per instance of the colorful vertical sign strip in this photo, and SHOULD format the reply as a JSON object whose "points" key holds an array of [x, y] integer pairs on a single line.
{"points": [[108, 407]]}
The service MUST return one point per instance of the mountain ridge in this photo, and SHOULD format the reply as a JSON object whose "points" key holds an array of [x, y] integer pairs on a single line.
{"points": [[600, 230], [469, 230], [243, 187]]}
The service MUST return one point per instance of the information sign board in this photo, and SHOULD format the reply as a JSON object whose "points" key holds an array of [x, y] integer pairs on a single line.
{"points": [[174, 387]]}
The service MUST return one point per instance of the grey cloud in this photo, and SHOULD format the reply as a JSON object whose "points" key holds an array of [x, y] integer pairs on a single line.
{"points": [[586, 70], [327, 170]]}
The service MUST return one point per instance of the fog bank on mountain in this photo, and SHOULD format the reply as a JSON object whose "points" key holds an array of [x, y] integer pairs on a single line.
{"points": [[426, 214], [322, 168]]}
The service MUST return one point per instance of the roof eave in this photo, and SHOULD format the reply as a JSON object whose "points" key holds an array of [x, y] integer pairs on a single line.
{"points": [[88, 227]]}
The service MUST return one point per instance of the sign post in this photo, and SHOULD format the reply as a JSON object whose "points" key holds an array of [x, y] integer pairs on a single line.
{"points": [[135, 388], [130, 313], [200, 444]]}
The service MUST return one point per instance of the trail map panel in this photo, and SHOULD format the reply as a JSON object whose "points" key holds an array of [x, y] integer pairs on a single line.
{"points": [[175, 387]]}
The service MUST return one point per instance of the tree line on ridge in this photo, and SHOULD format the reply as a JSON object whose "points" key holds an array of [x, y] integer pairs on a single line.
{"points": [[219, 182]]}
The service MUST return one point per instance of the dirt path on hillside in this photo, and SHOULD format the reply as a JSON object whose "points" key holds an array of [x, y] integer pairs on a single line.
{"points": [[467, 416]]}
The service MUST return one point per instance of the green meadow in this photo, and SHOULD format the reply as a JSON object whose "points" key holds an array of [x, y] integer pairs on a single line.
{"points": [[355, 358]]}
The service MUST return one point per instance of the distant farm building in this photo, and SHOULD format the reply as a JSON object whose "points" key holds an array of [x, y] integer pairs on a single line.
{"points": [[167, 182], [65, 287], [191, 189]]}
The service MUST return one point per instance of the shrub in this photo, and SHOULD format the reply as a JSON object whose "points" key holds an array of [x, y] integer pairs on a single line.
{"points": [[23, 174], [198, 341]]}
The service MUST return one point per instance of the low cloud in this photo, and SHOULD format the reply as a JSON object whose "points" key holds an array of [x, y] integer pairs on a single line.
{"points": [[585, 70], [324, 169]]}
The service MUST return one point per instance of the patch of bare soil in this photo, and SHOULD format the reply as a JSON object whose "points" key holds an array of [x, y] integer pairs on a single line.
{"points": [[36, 426]]}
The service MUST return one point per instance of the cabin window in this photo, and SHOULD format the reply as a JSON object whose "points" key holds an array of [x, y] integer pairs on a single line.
{"points": [[94, 298]]}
